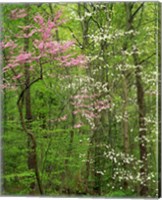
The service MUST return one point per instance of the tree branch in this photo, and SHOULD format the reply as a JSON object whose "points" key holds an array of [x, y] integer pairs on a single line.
{"points": [[142, 61], [136, 11], [31, 83], [79, 43]]}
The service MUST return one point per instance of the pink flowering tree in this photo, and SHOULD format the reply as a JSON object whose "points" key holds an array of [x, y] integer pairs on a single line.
{"points": [[25, 58]]}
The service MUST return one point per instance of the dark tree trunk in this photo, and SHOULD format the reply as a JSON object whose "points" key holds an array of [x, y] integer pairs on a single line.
{"points": [[31, 142], [96, 140], [28, 113], [125, 125], [140, 102], [125, 116], [142, 129]]}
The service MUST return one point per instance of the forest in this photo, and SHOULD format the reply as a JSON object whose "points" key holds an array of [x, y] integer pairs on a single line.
{"points": [[80, 87]]}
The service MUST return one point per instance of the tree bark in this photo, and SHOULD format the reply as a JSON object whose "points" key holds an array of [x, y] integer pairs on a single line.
{"points": [[96, 141], [33, 145], [125, 117], [141, 104], [28, 113], [31, 141], [142, 129], [125, 125]]}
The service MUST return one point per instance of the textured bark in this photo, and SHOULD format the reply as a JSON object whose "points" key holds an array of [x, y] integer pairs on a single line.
{"points": [[125, 125], [142, 129], [125, 116], [96, 141], [87, 172], [84, 25], [28, 114], [70, 148], [97, 166], [33, 146], [26, 124], [140, 102]]}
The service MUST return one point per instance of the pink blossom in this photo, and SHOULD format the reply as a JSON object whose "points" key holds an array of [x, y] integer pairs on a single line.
{"points": [[17, 76], [80, 60], [76, 112], [18, 13], [51, 24], [80, 105], [9, 44], [3, 86], [36, 43], [78, 125], [101, 105], [41, 46], [46, 34], [62, 21], [23, 57], [30, 34], [76, 96], [57, 16], [90, 115], [26, 27], [9, 66], [63, 118], [6, 68], [14, 11], [39, 19], [64, 58], [53, 51], [81, 97], [67, 45], [53, 46], [49, 45], [36, 58]]}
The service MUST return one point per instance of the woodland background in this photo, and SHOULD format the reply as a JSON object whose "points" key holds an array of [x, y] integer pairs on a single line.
{"points": [[80, 86]]}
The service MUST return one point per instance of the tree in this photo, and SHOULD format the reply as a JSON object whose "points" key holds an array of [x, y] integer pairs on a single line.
{"points": [[45, 49]]}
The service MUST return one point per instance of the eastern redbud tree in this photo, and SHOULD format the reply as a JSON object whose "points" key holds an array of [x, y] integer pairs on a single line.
{"points": [[26, 55]]}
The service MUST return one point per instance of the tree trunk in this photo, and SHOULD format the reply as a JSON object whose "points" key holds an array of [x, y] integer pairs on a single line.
{"points": [[125, 124], [141, 104], [142, 129], [28, 113], [125, 117], [96, 141], [31, 142]]}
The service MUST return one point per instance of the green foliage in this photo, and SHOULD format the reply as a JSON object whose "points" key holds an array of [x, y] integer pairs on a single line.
{"points": [[79, 154], [120, 193]]}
